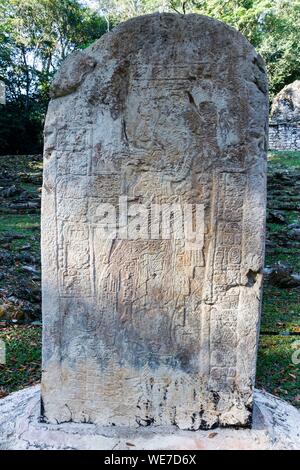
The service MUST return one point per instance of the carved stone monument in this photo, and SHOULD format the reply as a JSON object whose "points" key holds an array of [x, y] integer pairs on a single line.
{"points": [[163, 120]]}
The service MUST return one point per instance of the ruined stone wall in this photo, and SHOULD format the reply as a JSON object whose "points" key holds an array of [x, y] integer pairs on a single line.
{"points": [[284, 136], [284, 130]]}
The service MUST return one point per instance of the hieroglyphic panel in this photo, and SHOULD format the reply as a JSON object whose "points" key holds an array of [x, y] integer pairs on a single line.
{"points": [[75, 261]]}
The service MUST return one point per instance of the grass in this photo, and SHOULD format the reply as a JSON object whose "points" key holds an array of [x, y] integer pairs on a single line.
{"points": [[276, 371], [23, 357], [24, 224], [28, 225], [284, 159], [281, 310], [23, 172]]}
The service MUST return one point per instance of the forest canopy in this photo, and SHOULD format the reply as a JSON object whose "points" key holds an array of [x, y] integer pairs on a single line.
{"points": [[36, 36]]}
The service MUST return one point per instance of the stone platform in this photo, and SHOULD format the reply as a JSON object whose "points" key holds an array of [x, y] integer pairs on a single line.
{"points": [[276, 425]]}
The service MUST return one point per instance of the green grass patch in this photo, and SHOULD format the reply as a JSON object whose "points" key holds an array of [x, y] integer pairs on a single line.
{"points": [[276, 372], [281, 309], [284, 159], [23, 357], [21, 223], [275, 228], [288, 256], [27, 225]]}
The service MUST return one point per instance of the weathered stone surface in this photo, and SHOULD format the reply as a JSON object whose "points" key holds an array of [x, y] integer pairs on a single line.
{"points": [[164, 109], [276, 426], [286, 105], [285, 118]]}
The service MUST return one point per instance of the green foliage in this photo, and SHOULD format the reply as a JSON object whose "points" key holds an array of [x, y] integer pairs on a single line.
{"points": [[123, 9], [21, 126], [35, 36]]}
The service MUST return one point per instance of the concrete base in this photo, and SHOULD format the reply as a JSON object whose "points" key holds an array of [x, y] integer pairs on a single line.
{"points": [[276, 425]]}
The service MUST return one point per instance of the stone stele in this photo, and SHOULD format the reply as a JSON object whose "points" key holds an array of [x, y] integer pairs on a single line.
{"points": [[164, 110]]}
